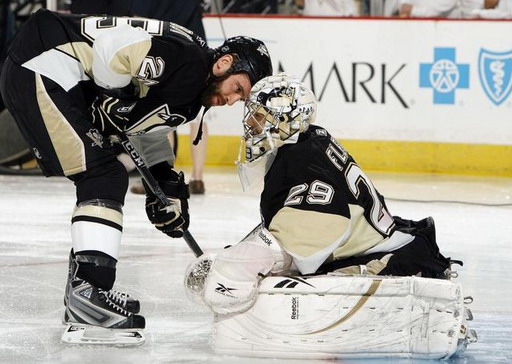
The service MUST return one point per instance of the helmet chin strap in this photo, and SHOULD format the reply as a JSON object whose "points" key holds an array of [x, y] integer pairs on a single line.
{"points": [[199, 134]]}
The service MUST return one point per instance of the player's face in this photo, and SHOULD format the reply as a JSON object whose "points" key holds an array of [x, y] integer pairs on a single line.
{"points": [[256, 123], [227, 90]]}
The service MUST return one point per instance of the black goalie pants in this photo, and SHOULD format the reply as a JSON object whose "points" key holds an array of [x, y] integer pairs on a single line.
{"points": [[420, 257]]}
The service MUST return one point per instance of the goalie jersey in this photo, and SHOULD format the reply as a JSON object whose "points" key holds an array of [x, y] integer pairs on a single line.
{"points": [[169, 63], [321, 206]]}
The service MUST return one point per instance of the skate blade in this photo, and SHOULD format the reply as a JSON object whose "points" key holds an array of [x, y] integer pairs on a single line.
{"points": [[93, 335]]}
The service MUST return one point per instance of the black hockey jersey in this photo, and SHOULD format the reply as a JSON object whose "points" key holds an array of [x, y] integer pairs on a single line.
{"points": [[321, 206], [170, 63]]}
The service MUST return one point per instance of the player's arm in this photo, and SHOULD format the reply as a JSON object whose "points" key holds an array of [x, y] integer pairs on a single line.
{"points": [[118, 55], [155, 148]]}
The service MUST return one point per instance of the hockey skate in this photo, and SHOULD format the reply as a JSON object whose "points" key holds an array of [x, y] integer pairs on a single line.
{"points": [[96, 316], [121, 299]]}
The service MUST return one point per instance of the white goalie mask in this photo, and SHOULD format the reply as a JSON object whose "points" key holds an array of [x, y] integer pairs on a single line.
{"points": [[279, 108]]}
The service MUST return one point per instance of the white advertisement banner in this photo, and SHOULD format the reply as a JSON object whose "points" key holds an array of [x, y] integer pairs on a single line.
{"points": [[404, 80]]}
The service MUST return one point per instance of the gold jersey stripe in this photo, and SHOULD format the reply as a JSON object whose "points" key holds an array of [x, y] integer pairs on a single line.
{"points": [[101, 212], [359, 304], [67, 144], [306, 233], [81, 51], [128, 60]]}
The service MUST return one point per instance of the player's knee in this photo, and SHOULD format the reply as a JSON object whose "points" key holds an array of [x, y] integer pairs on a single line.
{"points": [[108, 181]]}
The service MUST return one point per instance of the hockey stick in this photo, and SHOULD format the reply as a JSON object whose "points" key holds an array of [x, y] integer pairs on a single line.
{"points": [[155, 187]]}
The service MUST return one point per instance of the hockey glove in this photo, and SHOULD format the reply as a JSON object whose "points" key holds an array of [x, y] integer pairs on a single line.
{"points": [[174, 219], [111, 107], [234, 276]]}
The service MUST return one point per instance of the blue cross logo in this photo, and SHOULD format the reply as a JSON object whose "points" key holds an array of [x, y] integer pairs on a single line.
{"points": [[444, 75]]}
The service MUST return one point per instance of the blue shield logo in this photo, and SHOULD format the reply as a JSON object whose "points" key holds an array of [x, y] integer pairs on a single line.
{"points": [[495, 71]]}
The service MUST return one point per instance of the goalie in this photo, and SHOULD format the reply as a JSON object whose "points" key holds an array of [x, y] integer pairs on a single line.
{"points": [[324, 220]]}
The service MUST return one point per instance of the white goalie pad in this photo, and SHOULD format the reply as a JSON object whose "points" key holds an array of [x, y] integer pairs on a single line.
{"points": [[92, 335], [334, 316]]}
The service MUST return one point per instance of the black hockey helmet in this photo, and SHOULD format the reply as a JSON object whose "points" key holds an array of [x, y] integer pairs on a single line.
{"points": [[251, 56]]}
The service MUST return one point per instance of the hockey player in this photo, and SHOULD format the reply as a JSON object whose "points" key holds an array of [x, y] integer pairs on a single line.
{"points": [[320, 211], [347, 277], [71, 83]]}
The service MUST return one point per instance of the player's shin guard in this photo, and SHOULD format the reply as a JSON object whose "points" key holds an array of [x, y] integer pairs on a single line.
{"points": [[331, 317], [96, 232], [91, 304]]}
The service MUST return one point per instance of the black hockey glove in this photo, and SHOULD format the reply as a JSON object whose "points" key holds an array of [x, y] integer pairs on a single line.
{"points": [[111, 107], [172, 220]]}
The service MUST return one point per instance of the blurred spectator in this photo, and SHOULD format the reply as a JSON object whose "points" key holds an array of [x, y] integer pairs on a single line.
{"points": [[328, 7], [449, 8], [110, 7], [422, 8], [249, 6], [494, 9]]}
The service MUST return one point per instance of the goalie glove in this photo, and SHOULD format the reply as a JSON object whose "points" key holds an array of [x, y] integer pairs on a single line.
{"points": [[174, 219], [232, 282], [110, 108], [228, 282]]}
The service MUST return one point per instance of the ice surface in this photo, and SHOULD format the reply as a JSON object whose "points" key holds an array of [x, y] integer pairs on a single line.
{"points": [[35, 215]]}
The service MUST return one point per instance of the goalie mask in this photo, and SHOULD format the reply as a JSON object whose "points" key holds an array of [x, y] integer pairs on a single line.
{"points": [[279, 108]]}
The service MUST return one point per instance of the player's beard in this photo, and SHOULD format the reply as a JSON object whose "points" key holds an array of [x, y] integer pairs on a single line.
{"points": [[212, 90]]}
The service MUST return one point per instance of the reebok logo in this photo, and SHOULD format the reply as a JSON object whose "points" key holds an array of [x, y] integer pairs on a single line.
{"points": [[265, 239], [295, 308], [291, 282], [225, 291]]}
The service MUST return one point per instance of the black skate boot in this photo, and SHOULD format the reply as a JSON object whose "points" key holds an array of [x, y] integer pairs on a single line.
{"points": [[95, 315], [93, 306], [122, 299]]}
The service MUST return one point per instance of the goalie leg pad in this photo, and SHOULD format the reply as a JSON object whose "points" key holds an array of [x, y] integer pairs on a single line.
{"points": [[326, 317]]}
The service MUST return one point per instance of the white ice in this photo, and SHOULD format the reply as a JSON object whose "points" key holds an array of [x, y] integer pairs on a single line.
{"points": [[35, 217]]}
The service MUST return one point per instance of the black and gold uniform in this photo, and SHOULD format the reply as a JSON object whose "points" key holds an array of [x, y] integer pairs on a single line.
{"points": [[57, 67], [326, 213], [48, 83], [74, 81]]}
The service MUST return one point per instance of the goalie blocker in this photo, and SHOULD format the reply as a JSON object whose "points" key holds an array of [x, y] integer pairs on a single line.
{"points": [[334, 316]]}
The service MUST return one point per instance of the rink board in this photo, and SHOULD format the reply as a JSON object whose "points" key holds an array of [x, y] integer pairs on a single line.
{"points": [[435, 101]]}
